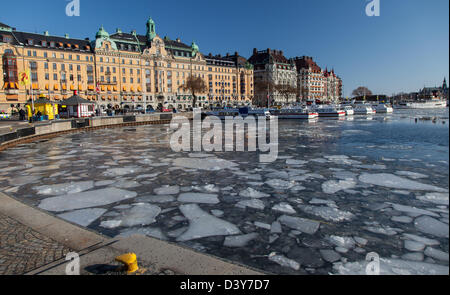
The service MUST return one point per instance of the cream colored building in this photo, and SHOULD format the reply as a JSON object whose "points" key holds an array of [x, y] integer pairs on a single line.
{"points": [[121, 70]]}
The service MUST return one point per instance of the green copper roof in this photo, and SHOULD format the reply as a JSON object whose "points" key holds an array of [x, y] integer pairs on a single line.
{"points": [[151, 29], [102, 33]]}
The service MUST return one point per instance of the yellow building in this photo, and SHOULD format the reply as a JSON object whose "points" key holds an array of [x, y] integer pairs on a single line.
{"points": [[121, 70]]}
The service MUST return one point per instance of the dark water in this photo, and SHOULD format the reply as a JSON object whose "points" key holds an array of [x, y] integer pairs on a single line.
{"points": [[359, 182]]}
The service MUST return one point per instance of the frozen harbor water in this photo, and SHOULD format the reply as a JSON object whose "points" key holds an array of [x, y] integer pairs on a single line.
{"points": [[340, 189]]}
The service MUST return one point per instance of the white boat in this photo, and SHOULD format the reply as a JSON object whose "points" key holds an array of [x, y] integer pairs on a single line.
{"points": [[383, 108], [349, 111], [427, 104], [364, 109], [330, 111], [294, 113]]}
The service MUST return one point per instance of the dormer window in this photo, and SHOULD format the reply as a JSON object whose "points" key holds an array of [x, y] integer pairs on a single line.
{"points": [[106, 46], [44, 43], [7, 39], [30, 42], [52, 44]]}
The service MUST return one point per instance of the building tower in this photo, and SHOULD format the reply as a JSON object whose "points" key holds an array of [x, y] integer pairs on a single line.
{"points": [[151, 30]]}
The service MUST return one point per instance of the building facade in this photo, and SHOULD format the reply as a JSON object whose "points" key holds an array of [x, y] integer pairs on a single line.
{"points": [[271, 67], [121, 70], [315, 83]]}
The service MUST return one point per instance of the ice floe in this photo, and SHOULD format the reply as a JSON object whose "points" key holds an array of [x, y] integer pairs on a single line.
{"points": [[414, 246], [198, 198], [413, 175], [330, 255], [86, 199], [253, 203], [332, 186], [284, 261], [202, 224], [394, 181], [83, 217], [392, 267], [151, 232], [436, 254], [167, 190], [209, 163], [328, 213], [423, 240], [301, 224], [431, 226], [239, 241], [280, 184], [252, 193], [284, 208], [436, 198]]}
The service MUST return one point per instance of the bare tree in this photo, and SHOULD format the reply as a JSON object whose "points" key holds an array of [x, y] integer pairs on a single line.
{"points": [[286, 91], [262, 90], [194, 85], [361, 91]]}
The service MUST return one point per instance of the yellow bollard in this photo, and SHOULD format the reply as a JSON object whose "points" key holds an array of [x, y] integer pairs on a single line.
{"points": [[130, 262]]}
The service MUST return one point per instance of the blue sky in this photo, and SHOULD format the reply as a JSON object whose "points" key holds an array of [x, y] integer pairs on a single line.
{"points": [[403, 49]]}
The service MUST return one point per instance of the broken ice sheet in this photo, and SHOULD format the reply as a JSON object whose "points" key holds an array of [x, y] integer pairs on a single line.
{"points": [[86, 199], [202, 224], [240, 240], [393, 181], [198, 198], [83, 217]]}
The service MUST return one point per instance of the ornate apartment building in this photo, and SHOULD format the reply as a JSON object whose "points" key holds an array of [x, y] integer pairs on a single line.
{"points": [[121, 70], [271, 67], [316, 84]]}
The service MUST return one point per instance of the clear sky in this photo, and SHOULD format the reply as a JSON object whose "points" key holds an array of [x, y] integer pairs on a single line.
{"points": [[404, 49]]}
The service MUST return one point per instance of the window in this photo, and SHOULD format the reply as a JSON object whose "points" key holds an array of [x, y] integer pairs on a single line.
{"points": [[78, 57], [70, 67], [47, 76], [71, 77], [62, 56], [70, 56], [78, 68], [55, 77], [79, 78], [54, 67], [7, 39], [124, 80], [30, 42], [46, 65], [45, 54], [131, 80], [29, 52], [52, 44], [63, 67]]}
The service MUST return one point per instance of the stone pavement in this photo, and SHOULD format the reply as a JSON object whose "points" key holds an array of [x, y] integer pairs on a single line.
{"points": [[34, 242], [23, 249]]}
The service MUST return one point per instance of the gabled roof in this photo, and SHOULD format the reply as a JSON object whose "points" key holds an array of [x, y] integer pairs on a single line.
{"points": [[76, 100]]}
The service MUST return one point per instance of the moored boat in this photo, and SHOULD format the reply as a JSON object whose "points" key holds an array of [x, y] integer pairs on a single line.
{"points": [[294, 113], [330, 111], [383, 108], [364, 109]]}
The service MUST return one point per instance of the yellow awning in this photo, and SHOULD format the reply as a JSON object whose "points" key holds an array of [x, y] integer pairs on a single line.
{"points": [[72, 87], [115, 88], [124, 88], [11, 85], [80, 87], [131, 89], [46, 86], [103, 87], [139, 88], [64, 87], [55, 87], [109, 88]]}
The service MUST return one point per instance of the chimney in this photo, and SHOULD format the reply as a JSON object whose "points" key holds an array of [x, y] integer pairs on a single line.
{"points": [[46, 33], [66, 36], [268, 50], [178, 40], [281, 52], [87, 38], [255, 51], [228, 55], [118, 31], [236, 53]]}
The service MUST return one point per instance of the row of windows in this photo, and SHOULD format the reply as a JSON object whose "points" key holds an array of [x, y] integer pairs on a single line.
{"points": [[54, 44], [61, 56]]}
